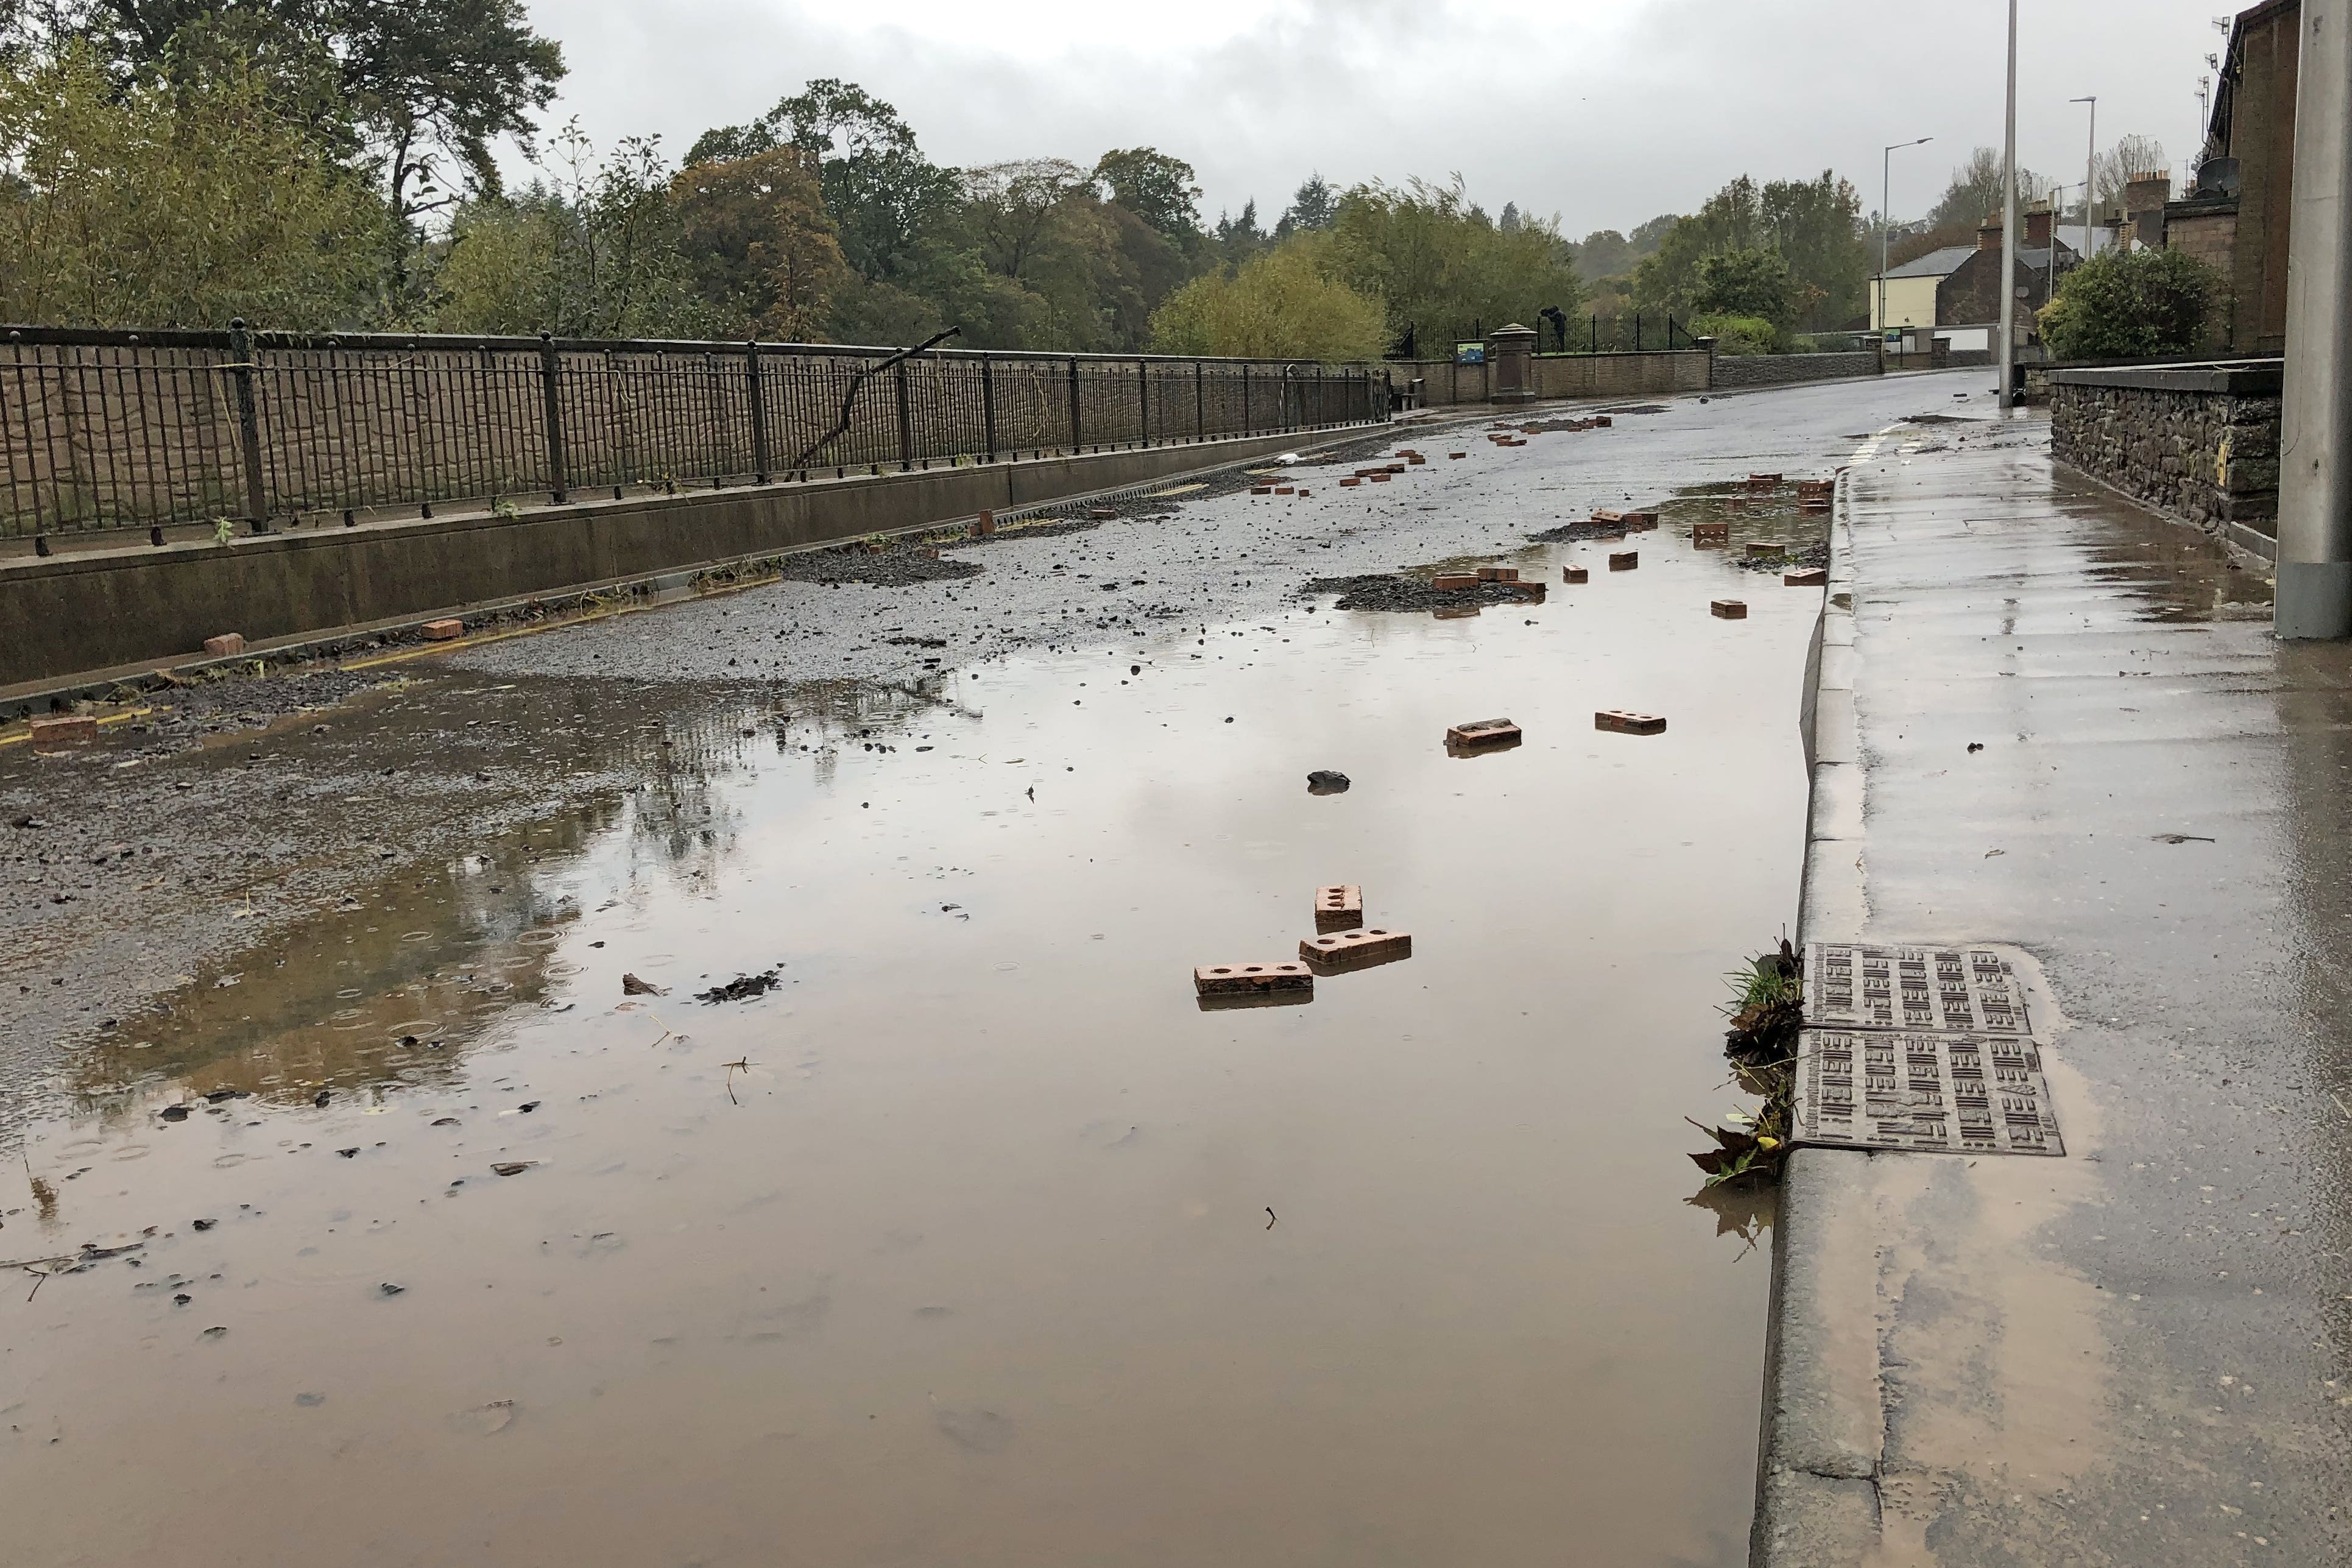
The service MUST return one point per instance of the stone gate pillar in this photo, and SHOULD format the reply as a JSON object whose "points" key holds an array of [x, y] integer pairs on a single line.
{"points": [[1510, 360]]}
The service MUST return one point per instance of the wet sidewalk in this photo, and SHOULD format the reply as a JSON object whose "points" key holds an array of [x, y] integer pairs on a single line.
{"points": [[2055, 721]]}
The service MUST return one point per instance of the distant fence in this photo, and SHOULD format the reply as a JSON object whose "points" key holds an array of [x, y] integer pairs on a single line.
{"points": [[115, 429]]}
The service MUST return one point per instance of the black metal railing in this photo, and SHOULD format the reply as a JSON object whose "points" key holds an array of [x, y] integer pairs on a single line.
{"points": [[121, 430]]}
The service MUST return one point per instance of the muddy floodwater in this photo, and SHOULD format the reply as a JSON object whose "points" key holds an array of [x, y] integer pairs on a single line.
{"points": [[974, 1239]]}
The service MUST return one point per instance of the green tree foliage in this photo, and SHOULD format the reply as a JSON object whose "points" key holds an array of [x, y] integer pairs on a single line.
{"points": [[1752, 284], [592, 251], [761, 246], [1312, 208], [178, 195], [1735, 334], [1155, 187], [1442, 269], [2126, 304], [430, 83], [1285, 304], [1813, 225]]}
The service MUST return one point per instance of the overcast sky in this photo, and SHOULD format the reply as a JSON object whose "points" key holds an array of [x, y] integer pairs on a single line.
{"points": [[1603, 112]]}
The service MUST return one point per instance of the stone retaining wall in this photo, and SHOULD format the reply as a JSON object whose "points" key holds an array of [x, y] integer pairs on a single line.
{"points": [[1733, 372], [2199, 442], [1658, 371]]}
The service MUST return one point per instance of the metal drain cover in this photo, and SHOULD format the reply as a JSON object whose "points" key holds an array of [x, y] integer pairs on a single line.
{"points": [[1929, 1093], [1954, 990]]}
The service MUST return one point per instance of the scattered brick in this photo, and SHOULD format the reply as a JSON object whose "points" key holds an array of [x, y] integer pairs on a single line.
{"points": [[1603, 422], [1378, 476], [1813, 503], [1498, 574], [1641, 521], [1454, 612], [1728, 609], [1456, 456], [442, 631], [1575, 574], [1251, 979], [1356, 949], [225, 645], [1527, 592], [1351, 482], [1454, 581], [1607, 514], [1807, 577], [985, 524], [1416, 459], [56, 735], [1102, 513], [1286, 489], [1625, 559], [1261, 490], [1764, 481], [1482, 732], [1618, 722], [1765, 550], [1340, 907], [1705, 533]]}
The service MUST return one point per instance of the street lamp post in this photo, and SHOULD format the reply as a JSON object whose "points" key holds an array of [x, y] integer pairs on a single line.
{"points": [[2008, 230], [1886, 220], [2090, 170]]}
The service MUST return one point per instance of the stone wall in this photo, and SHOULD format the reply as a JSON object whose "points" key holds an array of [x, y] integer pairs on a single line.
{"points": [[1733, 372], [2199, 441], [1445, 384]]}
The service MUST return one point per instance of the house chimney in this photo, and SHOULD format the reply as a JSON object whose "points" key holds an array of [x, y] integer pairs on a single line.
{"points": [[2146, 193], [1989, 235], [2037, 229]]}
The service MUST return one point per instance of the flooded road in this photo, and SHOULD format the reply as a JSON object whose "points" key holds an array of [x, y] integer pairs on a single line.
{"points": [[974, 1239]]}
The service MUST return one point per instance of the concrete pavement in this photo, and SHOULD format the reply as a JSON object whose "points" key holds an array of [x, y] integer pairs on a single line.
{"points": [[2136, 1354]]}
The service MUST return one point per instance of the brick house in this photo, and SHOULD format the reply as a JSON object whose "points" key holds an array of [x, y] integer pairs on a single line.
{"points": [[2235, 218]]}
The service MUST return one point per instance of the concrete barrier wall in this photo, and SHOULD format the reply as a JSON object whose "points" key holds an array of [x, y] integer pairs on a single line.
{"points": [[76, 613], [1733, 372], [1445, 384]]}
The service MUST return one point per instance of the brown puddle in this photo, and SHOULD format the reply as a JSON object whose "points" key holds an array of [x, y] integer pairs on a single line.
{"points": [[976, 1239]]}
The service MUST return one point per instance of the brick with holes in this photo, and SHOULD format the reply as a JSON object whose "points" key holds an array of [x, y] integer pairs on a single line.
{"points": [[1251, 979], [1356, 949], [1618, 722], [1704, 534], [1340, 907], [1482, 732]]}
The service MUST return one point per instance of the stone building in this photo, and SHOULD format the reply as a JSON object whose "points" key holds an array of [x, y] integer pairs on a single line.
{"points": [[2235, 218]]}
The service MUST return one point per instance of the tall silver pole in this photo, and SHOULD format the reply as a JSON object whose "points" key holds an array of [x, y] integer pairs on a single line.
{"points": [[2315, 528], [1885, 221], [2090, 173], [2008, 230]]}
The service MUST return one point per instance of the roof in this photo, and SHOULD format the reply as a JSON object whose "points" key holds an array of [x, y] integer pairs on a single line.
{"points": [[1935, 264]]}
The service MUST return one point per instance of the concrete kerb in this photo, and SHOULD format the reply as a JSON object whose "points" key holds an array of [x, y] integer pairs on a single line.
{"points": [[590, 601], [1822, 1423]]}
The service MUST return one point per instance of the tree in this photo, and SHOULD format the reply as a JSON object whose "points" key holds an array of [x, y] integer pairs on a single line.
{"points": [[763, 251], [2130, 158], [1312, 208], [1283, 304], [1509, 222], [2127, 304], [1240, 238], [889, 201], [1441, 268], [156, 197], [1814, 226], [1155, 187], [590, 252], [431, 83], [1755, 282], [1974, 196]]}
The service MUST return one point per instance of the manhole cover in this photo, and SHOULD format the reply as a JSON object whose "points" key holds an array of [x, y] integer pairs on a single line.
{"points": [[1929, 1093], [1946, 990]]}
